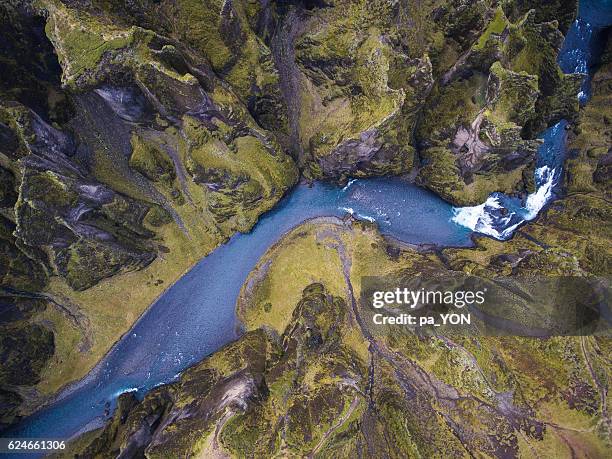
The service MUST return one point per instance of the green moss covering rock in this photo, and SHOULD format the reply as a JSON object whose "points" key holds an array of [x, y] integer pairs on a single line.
{"points": [[60, 210], [357, 108], [137, 136], [240, 167], [151, 162], [25, 348], [489, 106], [588, 168]]}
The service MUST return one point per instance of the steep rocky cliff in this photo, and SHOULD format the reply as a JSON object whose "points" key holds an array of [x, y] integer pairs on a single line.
{"points": [[122, 151], [311, 378], [458, 90], [137, 136], [479, 125]]}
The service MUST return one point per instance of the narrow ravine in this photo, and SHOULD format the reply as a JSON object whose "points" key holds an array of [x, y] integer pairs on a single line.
{"points": [[196, 316], [500, 215]]}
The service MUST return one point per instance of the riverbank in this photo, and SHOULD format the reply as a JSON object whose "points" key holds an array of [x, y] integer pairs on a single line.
{"points": [[327, 373], [196, 316]]}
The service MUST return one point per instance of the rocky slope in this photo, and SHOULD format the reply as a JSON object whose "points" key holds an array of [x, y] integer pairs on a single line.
{"points": [[458, 90], [137, 136], [310, 377], [478, 129], [122, 151], [354, 87]]}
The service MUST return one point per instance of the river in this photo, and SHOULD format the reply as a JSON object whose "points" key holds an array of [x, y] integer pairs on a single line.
{"points": [[196, 316]]}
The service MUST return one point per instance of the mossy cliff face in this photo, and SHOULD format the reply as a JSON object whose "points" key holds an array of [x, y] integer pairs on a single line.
{"points": [[355, 107], [252, 396], [126, 156], [344, 84], [229, 36], [588, 169], [332, 384], [462, 87], [478, 128], [88, 231]]}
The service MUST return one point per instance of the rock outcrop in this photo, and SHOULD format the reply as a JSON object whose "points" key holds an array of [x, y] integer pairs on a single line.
{"points": [[121, 146], [135, 137], [479, 126]]}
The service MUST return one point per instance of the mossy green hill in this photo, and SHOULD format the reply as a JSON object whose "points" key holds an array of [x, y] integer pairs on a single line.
{"points": [[135, 137], [332, 384]]}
